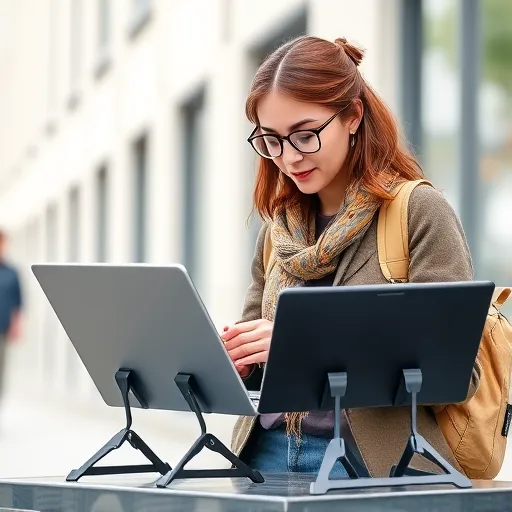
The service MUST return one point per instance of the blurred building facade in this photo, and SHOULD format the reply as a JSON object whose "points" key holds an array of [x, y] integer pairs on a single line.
{"points": [[123, 134]]}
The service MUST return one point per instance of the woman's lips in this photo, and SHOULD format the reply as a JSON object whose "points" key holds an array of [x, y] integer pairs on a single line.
{"points": [[304, 175]]}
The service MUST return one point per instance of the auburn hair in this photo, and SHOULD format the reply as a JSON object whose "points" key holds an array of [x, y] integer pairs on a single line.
{"points": [[310, 69]]}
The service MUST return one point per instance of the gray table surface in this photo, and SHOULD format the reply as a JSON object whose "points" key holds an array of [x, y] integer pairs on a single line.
{"points": [[285, 492]]}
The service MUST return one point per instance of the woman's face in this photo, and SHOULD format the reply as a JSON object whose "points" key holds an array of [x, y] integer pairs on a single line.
{"points": [[315, 173]]}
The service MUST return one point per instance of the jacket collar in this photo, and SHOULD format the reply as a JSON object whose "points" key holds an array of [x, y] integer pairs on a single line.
{"points": [[357, 254]]}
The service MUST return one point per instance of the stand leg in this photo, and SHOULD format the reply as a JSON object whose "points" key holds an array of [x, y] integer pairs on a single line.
{"points": [[206, 440], [424, 448], [123, 378], [404, 461], [417, 444], [336, 450]]}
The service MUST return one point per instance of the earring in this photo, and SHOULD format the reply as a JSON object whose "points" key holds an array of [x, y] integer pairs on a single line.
{"points": [[353, 140]]}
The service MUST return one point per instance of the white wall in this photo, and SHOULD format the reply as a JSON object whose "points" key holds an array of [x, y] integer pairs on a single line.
{"points": [[185, 45]]}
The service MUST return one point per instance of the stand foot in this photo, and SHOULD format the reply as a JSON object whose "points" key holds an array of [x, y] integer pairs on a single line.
{"points": [[401, 475], [209, 441], [156, 466], [418, 444], [317, 488], [335, 451]]}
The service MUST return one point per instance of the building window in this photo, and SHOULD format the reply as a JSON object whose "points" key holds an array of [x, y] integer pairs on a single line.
{"points": [[74, 233], [51, 234], [193, 123], [410, 84], [140, 171], [75, 51], [437, 97], [51, 323], [53, 27], [104, 37], [103, 24], [33, 248], [226, 20], [141, 14], [74, 225], [102, 224], [141, 7], [33, 253]]}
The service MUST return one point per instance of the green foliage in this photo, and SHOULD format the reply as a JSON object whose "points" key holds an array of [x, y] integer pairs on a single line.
{"points": [[496, 53], [497, 35]]}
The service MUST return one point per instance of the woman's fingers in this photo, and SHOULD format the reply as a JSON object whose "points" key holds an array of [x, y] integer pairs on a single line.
{"points": [[247, 349], [235, 330], [258, 357], [242, 338]]}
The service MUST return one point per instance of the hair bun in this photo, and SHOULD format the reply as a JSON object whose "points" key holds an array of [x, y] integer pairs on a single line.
{"points": [[354, 53]]}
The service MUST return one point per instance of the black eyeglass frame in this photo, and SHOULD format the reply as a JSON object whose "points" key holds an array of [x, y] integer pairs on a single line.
{"points": [[316, 131]]}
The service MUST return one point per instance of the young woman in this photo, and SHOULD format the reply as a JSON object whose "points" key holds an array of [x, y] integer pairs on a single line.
{"points": [[330, 155]]}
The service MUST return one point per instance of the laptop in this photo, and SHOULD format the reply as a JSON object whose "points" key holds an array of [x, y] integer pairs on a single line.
{"points": [[151, 320], [372, 333]]}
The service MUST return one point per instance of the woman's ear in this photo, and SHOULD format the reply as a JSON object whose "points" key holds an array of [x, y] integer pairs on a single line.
{"points": [[355, 120]]}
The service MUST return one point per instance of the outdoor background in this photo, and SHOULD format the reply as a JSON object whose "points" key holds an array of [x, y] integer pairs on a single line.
{"points": [[123, 138]]}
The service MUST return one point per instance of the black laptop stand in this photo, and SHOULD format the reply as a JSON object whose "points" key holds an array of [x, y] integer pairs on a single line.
{"points": [[125, 379], [416, 444]]}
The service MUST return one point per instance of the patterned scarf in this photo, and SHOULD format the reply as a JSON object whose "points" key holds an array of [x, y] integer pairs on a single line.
{"points": [[299, 258]]}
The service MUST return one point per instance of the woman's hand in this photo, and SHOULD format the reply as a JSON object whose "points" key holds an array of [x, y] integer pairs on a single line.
{"points": [[243, 371], [248, 343]]}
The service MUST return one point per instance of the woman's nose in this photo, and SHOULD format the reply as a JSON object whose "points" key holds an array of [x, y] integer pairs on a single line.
{"points": [[290, 154]]}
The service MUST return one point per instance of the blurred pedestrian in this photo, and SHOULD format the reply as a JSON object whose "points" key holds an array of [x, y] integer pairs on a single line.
{"points": [[10, 305]]}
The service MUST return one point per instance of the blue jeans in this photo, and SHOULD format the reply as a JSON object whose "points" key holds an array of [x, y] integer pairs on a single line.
{"points": [[273, 451]]}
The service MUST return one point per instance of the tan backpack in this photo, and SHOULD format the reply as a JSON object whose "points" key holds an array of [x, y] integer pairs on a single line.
{"points": [[476, 430]]}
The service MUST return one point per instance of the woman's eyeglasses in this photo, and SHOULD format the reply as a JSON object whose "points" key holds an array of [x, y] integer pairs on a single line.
{"points": [[304, 141]]}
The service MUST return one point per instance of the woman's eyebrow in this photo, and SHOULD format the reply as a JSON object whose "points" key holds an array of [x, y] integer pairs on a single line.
{"points": [[292, 127]]}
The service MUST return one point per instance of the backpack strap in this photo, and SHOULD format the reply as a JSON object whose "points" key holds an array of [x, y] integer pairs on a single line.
{"points": [[393, 233], [500, 296]]}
